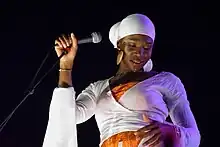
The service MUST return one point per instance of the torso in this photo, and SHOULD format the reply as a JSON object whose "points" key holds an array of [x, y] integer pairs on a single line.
{"points": [[130, 77], [126, 114]]}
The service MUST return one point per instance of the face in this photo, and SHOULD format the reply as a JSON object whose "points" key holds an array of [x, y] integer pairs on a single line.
{"points": [[137, 51]]}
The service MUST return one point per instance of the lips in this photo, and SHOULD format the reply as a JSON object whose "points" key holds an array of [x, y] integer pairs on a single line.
{"points": [[137, 62]]}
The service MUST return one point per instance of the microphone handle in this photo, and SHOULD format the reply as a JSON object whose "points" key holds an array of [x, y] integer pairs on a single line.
{"points": [[87, 40]]}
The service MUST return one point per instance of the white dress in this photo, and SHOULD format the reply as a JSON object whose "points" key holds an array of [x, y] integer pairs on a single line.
{"points": [[156, 97]]}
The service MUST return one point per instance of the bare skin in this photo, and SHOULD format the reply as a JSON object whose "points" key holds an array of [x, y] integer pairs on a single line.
{"points": [[66, 62], [137, 51]]}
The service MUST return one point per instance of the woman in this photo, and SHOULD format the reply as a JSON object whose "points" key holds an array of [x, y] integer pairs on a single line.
{"points": [[131, 107]]}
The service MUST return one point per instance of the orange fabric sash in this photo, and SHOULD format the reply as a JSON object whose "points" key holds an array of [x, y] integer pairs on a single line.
{"points": [[118, 91], [128, 139]]}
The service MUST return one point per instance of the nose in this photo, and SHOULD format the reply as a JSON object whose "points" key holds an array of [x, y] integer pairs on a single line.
{"points": [[140, 52]]}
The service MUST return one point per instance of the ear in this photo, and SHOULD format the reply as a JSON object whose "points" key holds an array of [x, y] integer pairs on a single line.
{"points": [[119, 44], [118, 49], [120, 56]]}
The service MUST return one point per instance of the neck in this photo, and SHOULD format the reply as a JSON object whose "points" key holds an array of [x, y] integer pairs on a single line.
{"points": [[124, 70]]}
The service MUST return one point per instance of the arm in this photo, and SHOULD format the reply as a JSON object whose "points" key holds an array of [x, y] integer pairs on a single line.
{"points": [[65, 112], [181, 114], [85, 103]]}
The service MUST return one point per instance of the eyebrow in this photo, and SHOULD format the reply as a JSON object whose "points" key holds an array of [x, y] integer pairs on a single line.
{"points": [[136, 39]]}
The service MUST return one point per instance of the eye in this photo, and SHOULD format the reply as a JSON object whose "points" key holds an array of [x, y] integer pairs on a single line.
{"points": [[147, 46], [129, 44], [146, 49]]}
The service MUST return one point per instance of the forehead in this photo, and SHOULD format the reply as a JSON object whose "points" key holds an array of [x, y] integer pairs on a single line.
{"points": [[138, 38]]}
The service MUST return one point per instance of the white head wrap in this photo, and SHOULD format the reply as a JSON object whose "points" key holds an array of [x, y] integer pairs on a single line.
{"points": [[133, 24]]}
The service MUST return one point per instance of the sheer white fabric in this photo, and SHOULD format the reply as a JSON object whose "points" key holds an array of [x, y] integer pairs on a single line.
{"points": [[157, 97]]}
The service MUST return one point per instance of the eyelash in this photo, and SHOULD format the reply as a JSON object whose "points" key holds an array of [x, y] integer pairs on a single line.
{"points": [[134, 45], [131, 45], [147, 48]]}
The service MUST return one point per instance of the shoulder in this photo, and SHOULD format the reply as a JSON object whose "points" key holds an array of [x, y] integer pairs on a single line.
{"points": [[100, 84], [168, 81], [172, 85], [167, 76]]}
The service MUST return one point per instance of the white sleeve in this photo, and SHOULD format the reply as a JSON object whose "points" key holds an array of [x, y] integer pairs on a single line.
{"points": [[65, 112], [181, 114]]}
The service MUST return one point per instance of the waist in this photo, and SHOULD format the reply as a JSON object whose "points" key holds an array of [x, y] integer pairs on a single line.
{"points": [[123, 139]]}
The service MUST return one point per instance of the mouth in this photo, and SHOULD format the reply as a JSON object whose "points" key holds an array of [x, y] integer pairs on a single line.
{"points": [[137, 62]]}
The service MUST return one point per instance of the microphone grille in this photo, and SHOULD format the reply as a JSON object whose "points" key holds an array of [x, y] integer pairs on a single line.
{"points": [[96, 37]]}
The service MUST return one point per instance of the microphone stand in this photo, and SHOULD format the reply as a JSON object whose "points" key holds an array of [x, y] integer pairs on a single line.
{"points": [[32, 90]]}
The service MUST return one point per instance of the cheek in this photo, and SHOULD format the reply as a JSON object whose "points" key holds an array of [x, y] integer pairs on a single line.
{"points": [[127, 55], [126, 58], [148, 54]]}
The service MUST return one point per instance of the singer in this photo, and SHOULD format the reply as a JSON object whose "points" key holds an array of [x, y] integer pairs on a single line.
{"points": [[131, 107]]}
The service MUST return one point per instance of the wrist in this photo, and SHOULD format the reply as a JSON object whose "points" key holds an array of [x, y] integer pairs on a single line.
{"points": [[65, 70], [64, 85], [177, 132], [66, 65], [175, 135]]}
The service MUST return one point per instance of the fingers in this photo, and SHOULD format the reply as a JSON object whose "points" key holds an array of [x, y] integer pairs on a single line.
{"points": [[146, 119], [73, 40], [68, 45], [67, 40], [154, 140], [147, 128], [58, 44], [64, 41], [70, 39], [152, 132]]}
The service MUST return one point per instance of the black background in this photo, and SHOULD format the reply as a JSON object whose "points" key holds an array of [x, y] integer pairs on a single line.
{"points": [[29, 28]]}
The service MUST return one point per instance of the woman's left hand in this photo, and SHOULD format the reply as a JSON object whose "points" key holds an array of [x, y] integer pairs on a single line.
{"points": [[157, 132]]}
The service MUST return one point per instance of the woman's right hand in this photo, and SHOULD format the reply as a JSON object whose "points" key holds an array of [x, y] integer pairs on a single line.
{"points": [[66, 43]]}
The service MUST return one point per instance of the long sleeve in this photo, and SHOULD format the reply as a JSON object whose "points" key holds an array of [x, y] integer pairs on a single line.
{"points": [[181, 114], [65, 112]]}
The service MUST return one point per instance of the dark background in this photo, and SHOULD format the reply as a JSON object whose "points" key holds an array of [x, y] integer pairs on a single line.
{"points": [[29, 28]]}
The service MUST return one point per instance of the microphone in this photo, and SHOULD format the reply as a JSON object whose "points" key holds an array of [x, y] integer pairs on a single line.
{"points": [[96, 37]]}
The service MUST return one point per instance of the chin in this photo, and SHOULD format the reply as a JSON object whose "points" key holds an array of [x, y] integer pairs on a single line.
{"points": [[136, 69]]}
